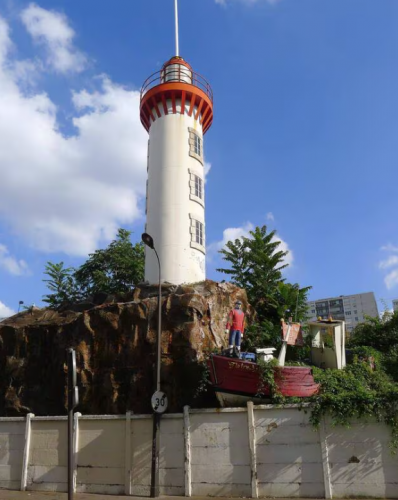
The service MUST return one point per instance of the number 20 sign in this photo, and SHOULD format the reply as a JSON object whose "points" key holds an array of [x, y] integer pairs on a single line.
{"points": [[159, 402]]}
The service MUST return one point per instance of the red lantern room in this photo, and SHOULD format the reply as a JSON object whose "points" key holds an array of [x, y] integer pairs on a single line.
{"points": [[176, 88]]}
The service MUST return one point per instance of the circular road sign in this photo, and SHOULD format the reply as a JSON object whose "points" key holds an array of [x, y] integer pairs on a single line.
{"points": [[159, 402]]}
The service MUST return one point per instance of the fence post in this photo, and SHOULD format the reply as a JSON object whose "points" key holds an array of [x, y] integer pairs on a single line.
{"points": [[26, 451], [325, 460], [252, 446], [127, 456], [75, 448], [187, 458]]}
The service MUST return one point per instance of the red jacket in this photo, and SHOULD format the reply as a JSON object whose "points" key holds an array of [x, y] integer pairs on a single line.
{"points": [[236, 320]]}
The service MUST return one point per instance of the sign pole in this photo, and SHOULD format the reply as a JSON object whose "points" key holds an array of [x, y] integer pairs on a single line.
{"points": [[73, 401]]}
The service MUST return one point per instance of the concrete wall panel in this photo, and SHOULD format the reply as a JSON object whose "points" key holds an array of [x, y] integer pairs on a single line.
{"points": [[48, 458], [12, 442]]}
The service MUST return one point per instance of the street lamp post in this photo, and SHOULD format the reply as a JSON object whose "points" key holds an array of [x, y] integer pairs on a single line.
{"points": [[148, 241]]}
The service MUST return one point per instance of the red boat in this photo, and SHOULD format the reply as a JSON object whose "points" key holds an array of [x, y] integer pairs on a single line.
{"points": [[236, 381]]}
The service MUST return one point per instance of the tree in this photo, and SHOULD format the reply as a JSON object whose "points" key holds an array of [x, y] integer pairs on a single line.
{"points": [[293, 298], [61, 283], [115, 269], [256, 264], [379, 333]]}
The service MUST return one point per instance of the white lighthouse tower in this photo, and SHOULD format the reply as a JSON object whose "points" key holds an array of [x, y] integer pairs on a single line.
{"points": [[177, 110]]}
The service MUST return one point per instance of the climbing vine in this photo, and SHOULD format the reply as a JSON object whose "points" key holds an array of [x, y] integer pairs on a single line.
{"points": [[353, 393], [361, 390], [270, 375]]}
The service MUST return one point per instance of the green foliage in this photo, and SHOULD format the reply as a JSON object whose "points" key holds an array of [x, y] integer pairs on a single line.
{"points": [[61, 282], [256, 265], [356, 392], [113, 270], [293, 298], [270, 373], [262, 334], [379, 333], [390, 362], [364, 354]]}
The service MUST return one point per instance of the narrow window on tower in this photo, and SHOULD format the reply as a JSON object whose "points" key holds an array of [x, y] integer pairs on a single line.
{"points": [[196, 185], [199, 237], [198, 145], [197, 233], [195, 145], [147, 159]]}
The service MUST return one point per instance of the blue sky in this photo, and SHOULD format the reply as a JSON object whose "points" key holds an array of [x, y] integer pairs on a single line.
{"points": [[306, 125]]}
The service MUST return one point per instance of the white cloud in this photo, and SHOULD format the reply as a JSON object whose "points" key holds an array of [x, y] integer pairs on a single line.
{"points": [[11, 264], [390, 262], [391, 280], [234, 233], [5, 311], [51, 30], [390, 248], [207, 169], [68, 193], [270, 216]]}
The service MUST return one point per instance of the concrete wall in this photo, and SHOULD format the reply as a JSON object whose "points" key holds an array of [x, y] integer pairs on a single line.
{"points": [[12, 442], [260, 451], [48, 459], [220, 456]]}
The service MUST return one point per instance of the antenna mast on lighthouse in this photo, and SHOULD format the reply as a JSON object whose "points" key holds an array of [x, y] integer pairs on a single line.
{"points": [[176, 26]]}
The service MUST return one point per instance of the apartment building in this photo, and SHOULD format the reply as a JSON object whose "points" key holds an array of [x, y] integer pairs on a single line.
{"points": [[395, 304], [350, 308]]}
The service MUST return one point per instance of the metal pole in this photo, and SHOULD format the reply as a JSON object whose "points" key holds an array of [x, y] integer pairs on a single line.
{"points": [[70, 422], [156, 416], [159, 336], [176, 20]]}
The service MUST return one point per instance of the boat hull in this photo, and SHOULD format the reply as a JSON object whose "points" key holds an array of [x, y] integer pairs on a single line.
{"points": [[236, 378]]}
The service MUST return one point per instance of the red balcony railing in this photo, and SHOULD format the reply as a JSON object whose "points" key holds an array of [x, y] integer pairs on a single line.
{"points": [[177, 73]]}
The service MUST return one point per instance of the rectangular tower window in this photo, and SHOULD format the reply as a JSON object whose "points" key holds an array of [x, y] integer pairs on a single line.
{"points": [[197, 233], [195, 145], [198, 145], [199, 236], [196, 185]]}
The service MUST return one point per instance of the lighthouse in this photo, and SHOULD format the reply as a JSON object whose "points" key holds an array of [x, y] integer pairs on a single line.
{"points": [[176, 109]]}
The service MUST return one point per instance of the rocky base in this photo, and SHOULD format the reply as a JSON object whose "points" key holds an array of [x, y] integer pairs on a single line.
{"points": [[115, 350]]}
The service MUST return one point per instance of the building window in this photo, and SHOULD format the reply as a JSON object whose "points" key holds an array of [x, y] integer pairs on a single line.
{"points": [[356, 319], [197, 233], [198, 145], [198, 187], [196, 184], [195, 145], [355, 312], [348, 313]]}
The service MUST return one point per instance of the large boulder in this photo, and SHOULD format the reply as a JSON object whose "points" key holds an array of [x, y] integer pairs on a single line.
{"points": [[115, 350]]}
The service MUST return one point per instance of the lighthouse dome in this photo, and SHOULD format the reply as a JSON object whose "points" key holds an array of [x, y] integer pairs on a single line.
{"points": [[176, 70]]}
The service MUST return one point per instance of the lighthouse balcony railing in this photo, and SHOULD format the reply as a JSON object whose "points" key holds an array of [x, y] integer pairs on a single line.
{"points": [[172, 74]]}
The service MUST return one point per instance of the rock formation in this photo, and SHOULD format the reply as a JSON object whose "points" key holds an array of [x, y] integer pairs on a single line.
{"points": [[115, 350]]}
